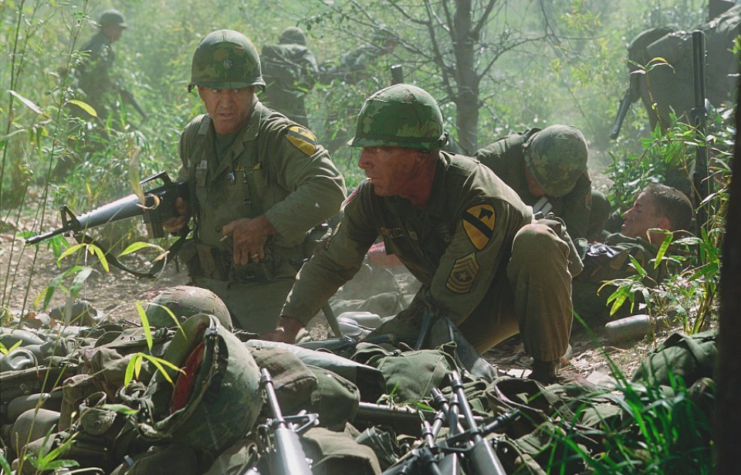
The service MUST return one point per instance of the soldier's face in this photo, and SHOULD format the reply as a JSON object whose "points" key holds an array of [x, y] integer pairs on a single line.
{"points": [[390, 169], [642, 217], [229, 109]]}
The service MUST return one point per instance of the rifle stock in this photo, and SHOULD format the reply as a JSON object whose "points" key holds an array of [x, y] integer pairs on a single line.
{"points": [[158, 206]]}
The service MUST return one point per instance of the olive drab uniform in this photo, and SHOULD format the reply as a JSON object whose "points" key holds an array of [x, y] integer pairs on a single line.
{"points": [[584, 211], [273, 167], [480, 260], [290, 71], [609, 261], [92, 73]]}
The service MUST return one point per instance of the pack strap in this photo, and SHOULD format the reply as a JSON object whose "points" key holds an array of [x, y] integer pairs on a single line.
{"points": [[156, 268]]}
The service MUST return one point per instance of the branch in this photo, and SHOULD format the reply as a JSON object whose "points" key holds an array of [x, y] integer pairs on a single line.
{"points": [[476, 30]]}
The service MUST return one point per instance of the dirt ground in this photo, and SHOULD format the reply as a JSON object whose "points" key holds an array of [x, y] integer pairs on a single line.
{"points": [[26, 272]]}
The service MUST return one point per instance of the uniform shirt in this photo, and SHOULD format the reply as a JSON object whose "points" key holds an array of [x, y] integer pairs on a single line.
{"points": [[454, 246], [506, 157], [93, 71], [296, 183]]}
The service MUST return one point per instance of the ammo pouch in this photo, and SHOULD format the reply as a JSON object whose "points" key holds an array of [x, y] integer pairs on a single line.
{"points": [[217, 264], [690, 357]]}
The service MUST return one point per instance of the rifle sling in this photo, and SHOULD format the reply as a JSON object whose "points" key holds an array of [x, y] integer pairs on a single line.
{"points": [[156, 268]]}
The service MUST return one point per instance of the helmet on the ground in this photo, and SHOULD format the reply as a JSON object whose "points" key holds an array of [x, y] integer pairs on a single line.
{"points": [[556, 157], [112, 17], [400, 116], [214, 401], [185, 301], [293, 36], [226, 59]]}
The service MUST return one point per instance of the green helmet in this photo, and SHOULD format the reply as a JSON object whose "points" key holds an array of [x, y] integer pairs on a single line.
{"points": [[112, 17], [185, 301], [214, 402], [226, 59], [556, 157], [293, 36], [400, 116]]}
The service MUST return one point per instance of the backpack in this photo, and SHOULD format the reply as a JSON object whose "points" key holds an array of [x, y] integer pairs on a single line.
{"points": [[691, 357]]}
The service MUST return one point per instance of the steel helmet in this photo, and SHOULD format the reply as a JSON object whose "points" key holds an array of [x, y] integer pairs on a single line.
{"points": [[556, 157], [112, 17], [185, 301], [400, 116], [293, 36], [216, 398], [225, 59]]}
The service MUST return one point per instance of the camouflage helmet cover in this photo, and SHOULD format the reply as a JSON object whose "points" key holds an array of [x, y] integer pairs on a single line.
{"points": [[400, 116], [556, 157], [293, 36], [185, 301], [112, 17], [226, 59]]}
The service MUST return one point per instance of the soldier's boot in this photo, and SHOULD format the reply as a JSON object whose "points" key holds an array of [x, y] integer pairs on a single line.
{"points": [[545, 372]]}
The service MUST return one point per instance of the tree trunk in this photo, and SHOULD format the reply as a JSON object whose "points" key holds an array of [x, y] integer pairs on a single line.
{"points": [[728, 415], [467, 98]]}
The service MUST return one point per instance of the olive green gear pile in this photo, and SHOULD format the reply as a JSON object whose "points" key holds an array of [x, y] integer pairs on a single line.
{"points": [[557, 157], [185, 301], [226, 59], [400, 116]]}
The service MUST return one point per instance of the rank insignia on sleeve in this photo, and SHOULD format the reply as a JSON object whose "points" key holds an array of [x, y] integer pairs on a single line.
{"points": [[478, 222], [462, 276], [302, 139]]}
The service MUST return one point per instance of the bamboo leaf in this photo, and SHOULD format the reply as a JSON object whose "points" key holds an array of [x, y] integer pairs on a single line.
{"points": [[145, 325], [664, 246], [27, 102], [84, 106], [120, 408], [138, 246], [101, 257], [79, 281], [70, 251], [129, 375]]}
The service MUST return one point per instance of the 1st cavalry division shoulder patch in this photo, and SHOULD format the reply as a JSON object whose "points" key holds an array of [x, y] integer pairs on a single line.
{"points": [[462, 276], [478, 222], [302, 139]]}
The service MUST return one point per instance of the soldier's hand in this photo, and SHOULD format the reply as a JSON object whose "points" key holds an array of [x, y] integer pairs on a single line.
{"points": [[285, 332], [249, 237], [177, 223]]}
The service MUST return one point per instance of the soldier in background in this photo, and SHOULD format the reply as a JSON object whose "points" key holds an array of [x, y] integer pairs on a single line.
{"points": [[93, 72], [548, 170], [656, 207], [259, 183], [290, 72], [458, 228]]}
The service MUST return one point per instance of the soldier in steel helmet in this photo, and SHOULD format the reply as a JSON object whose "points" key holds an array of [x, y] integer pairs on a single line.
{"points": [[290, 71], [548, 170], [456, 226], [93, 72], [259, 184]]}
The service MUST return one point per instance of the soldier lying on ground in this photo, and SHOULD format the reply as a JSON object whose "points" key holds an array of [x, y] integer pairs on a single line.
{"points": [[457, 227], [657, 207], [548, 170]]}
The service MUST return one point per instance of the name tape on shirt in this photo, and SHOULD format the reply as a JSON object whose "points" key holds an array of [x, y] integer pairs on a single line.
{"points": [[462, 276], [302, 139], [478, 222]]}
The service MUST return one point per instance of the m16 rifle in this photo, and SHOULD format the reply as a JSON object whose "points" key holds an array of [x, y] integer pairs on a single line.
{"points": [[279, 435], [622, 112], [129, 98], [158, 207]]}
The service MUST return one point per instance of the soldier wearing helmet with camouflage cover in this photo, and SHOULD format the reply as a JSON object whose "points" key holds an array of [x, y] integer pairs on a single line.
{"points": [[259, 183], [457, 227], [548, 170]]}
